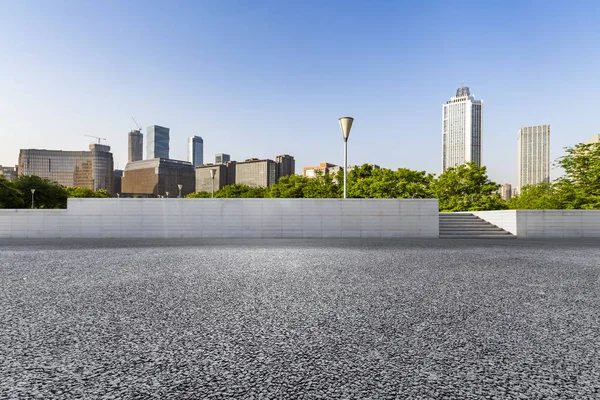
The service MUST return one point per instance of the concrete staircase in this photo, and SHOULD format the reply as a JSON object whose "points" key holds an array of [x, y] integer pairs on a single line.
{"points": [[469, 226]]}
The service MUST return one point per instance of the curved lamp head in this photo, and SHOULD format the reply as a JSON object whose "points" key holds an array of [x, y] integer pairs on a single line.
{"points": [[212, 172], [346, 125]]}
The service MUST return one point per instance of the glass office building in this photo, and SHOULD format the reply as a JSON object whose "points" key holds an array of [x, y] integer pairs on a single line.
{"points": [[135, 148], [157, 142], [86, 169], [222, 158], [195, 151]]}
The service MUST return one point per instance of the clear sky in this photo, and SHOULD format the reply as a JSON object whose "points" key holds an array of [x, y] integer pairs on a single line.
{"points": [[262, 78]]}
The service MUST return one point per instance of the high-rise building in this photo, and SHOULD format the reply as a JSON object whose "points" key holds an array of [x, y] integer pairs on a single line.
{"points": [[86, 169], [286, 165], [155, 177], [462, 129], [594, 139], [255, 172], [135, 146], [117, 180], [158, 142], [534, 155], [196, 150], [222, 158], [506, 191]]}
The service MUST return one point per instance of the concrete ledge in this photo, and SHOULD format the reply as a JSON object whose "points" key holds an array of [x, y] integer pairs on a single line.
{"points": [[227, 218]]}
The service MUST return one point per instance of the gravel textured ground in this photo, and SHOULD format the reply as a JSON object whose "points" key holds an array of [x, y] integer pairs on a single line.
{"points": [[411, 319]]}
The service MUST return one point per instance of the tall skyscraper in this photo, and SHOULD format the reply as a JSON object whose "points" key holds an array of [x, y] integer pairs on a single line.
{"points": [[534, 155], [222, 158], [158, 142], [196, 150], [462, 129], [286, 165], [135, 146]]}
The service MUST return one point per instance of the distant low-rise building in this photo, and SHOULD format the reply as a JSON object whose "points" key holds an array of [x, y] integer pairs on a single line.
{"points": [[157, 176], [86, 169], [224, 175], [9, 173], [256, 173], [222, 158], [326, 168]]}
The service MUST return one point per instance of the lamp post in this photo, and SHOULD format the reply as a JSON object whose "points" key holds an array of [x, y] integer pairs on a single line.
{"points": [[346, 125], [179, 187], [32, 192], [212, 176], [167, 193]]}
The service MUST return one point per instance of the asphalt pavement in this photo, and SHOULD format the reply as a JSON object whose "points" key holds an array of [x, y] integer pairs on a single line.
{"points": [[299, 319]]}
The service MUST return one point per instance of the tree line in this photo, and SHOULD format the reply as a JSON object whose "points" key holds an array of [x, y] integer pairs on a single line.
{"points": [[48, 194], [463, 188]]}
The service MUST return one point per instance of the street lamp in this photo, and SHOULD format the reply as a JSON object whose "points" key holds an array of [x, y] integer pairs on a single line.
{"points": [[32, 192], [167, 193], [180, 186], [212, 176], [346, 125]]}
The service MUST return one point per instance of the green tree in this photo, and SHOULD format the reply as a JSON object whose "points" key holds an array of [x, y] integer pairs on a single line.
{"points": [[10, 196], [198, 195], [466, 188], [241, 191], [541, 196], [579, 187], [323, 186], [47, 194], [291, 186], [78, 192]]}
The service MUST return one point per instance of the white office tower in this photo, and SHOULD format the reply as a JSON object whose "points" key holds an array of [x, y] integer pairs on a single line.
{"points": [[462, 129], [196, 151], [534, 155]]}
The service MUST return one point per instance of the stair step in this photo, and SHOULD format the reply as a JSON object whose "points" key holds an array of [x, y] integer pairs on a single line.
{"points": [[469, 226]]}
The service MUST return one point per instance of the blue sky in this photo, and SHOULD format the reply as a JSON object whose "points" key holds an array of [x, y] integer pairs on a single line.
{"points": [[262, 78]]}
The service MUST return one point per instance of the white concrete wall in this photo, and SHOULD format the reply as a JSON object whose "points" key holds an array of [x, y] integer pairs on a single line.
{"points": [[505, 219], [227, 218], [546, 224]]}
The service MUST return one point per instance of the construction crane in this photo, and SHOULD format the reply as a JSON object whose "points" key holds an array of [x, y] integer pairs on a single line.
{"points": [[96, 137], [138, 125]]}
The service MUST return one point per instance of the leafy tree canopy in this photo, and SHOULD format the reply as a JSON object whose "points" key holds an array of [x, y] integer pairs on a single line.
{"points": [[535, 197], [466, 188], [579, 187], [10, 196]]}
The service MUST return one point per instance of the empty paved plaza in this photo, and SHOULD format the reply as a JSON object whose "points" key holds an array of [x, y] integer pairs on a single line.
{"points": [[395, 319]]}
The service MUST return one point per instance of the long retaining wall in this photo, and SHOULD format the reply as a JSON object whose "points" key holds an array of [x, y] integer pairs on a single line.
{"points": [[546, 224], [226, 218]]}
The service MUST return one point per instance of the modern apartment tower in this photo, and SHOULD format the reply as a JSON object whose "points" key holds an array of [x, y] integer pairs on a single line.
{"points": [[196, 151], [222, 158], [534, 155], [158, 142], [135, 146], [286, 165], [462, 129]]}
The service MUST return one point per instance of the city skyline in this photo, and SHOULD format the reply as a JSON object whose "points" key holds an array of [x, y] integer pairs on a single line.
{"points": [[391, 72]]}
